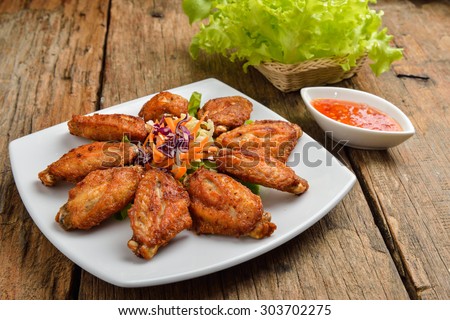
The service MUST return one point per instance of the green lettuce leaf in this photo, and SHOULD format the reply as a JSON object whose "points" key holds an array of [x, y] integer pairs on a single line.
{"points": [[254, 188], [197, 9], [122, 214], [291, 31], [194, 103]]}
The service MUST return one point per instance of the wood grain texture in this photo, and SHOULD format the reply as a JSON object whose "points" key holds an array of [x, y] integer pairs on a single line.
{"points": [[52, 55], [388, 239], [408, 186], [341, 257]]}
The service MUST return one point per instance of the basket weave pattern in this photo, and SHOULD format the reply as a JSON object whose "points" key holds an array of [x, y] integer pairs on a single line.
{"points": [[291, 77]]}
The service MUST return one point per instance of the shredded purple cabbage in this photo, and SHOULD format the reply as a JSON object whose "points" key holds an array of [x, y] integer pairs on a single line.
{"points": [[143, 157], [178, 141]]}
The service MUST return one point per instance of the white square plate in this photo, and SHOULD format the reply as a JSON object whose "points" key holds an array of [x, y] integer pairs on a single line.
{"points": [[103, 251]]}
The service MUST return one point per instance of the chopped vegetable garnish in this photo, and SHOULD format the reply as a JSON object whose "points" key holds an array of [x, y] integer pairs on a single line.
{"points": [[175, 144]]}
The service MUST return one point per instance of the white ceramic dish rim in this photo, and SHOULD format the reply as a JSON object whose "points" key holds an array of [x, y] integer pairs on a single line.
{"points": [[409, 130], [103, 252]]}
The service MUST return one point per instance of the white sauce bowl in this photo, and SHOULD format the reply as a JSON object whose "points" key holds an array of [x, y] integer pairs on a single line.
{"points": [[354, 136]]}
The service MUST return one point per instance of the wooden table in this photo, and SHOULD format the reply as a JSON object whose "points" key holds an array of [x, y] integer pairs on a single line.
{"points": [[388, 238]]}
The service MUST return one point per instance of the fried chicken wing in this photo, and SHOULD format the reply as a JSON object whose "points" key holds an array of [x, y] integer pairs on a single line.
{"points": [[164, 102], [227, 112], [108, 127], [278, 138], [98, 196], [256, 167], [158, 214], [221, 205], [78, 162]]}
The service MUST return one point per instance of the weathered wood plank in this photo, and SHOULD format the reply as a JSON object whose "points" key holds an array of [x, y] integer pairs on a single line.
{"points": [[341, 257], [50, 68], [409, 185]]}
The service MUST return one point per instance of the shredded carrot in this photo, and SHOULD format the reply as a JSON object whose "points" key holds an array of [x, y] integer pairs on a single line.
{"points": [[158, 156], [175, 122], [170, 124], [148, 139], [184, 155], [197, 156], [197, 126], [204, 142], [160, 139], [178, 172], [194, 131], [169, 162], [150, 136]]}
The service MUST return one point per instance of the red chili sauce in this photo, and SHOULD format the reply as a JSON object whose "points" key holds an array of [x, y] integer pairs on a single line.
{"points": [[356, 114]]}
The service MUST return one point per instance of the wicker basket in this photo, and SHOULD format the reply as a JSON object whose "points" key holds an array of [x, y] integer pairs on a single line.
{"points": [[291, 77]]}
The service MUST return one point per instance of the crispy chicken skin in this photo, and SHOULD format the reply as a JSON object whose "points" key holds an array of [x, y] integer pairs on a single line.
{"points": [[108, 127], [158, 214], [78, 162], [226, 112], [254, 167], [98, 196], [221, 205], [164, 102], [278, 138]]}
